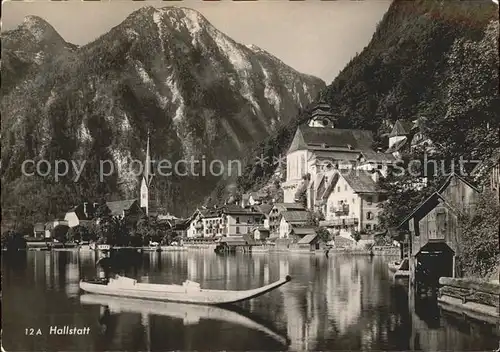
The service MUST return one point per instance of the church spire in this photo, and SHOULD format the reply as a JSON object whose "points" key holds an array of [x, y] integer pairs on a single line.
{"points": [[148, 175], [146, 180]]}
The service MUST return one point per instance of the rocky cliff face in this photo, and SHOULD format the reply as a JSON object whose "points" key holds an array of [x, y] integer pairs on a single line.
{"points": [[201, 94]]}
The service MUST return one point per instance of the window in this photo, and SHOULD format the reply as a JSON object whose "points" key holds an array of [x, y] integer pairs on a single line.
{"points": [[237, 229], [237, 219], [338, 189], [345, 188], [369, 200], [368, 226], [354, 201], [369, 215]]}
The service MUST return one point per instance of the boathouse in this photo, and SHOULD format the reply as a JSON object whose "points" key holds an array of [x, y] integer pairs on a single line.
{"points": [[434, 234]]}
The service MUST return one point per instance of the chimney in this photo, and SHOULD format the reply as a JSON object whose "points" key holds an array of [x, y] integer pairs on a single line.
{"points": [[85, 210]]}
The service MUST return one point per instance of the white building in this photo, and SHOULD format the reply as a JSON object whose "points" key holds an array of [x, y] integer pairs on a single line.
{"points": [[238, 221], [82, 212], [350, 202], [315, 151]]}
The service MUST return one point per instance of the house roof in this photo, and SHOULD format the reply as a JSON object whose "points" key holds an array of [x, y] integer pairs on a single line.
{"points": [[452, 176], [426, 206], [308, 137], [296, 215], [401, 128], [233, 209], [335, 156], [211, 213], [331, 184], [361, 181], [307, 239], [289, 206], [265, 209], [301, 231], [238, 240], [119, 206], [79, 210], [397, 146], [372, 156]]}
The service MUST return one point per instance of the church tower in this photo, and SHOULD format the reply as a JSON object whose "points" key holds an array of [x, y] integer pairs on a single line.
{"points": [[146, 181], [321, 116]]}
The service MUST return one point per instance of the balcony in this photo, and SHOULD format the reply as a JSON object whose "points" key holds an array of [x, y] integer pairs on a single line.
{"points": [[341, 210], [340, 222]]}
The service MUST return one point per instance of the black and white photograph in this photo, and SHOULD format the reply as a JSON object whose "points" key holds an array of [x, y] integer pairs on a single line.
{"points": [[231, 175]]}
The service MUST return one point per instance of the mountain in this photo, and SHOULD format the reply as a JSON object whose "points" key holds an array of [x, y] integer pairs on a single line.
{"points": [[26, 48], [431, 59], [202, 96]]}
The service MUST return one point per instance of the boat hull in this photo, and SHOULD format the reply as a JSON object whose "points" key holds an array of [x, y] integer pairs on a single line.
{"points": [[178, 293]]}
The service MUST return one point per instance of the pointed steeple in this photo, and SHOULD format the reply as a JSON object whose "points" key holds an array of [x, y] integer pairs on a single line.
{"points": [[146, 180], [148, 174]]}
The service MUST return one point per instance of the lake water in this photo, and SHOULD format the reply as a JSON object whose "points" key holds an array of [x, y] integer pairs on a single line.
{"points": [[336, 303]]}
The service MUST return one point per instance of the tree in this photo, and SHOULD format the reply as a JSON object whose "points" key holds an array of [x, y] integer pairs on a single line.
{"points": [[60, 233], [81, 233], [324, 234], [112, 231], [356, 235], [479, 250], [13, 241], [149, 229]]}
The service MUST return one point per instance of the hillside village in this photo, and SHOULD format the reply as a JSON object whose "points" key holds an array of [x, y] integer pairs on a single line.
{"points": [[331, 193]]}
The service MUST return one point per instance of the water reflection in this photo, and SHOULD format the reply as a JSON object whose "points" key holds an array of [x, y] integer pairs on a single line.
{"points": [[189, 314], [336, 303]]}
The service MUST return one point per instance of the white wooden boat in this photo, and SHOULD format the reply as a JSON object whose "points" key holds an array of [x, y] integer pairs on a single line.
{"points": [[188, 292], [190, 314]]}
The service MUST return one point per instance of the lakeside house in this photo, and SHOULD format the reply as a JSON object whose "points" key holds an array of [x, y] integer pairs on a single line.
{"points": [[299, 232], [229, 220], [434, 234], [82, 212], [265, 210], [261, 233], [277, 210], [309, 242], [213, 223], [240, 221], [291, 219], [39, 230], [351, 201]]}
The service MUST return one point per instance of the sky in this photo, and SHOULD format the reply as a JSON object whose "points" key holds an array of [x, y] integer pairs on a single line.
{"points": [[314, 37]]}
